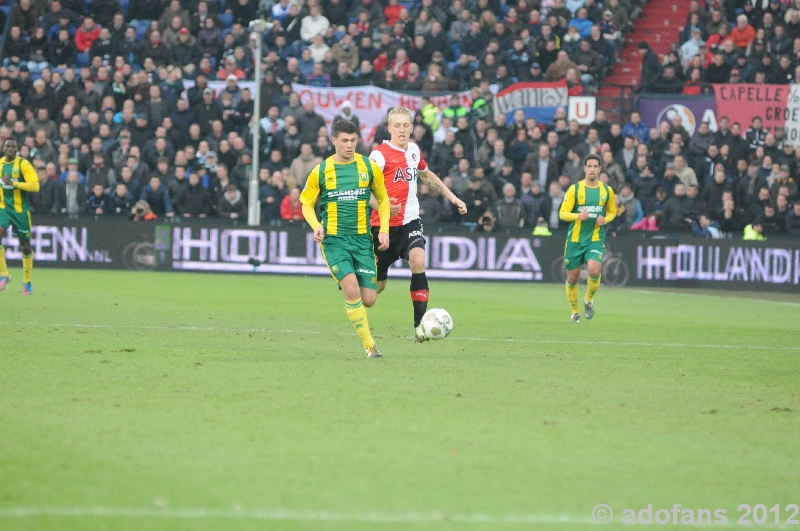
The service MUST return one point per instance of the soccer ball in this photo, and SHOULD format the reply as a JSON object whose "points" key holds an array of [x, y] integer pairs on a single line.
{"points": [[436, 324]]}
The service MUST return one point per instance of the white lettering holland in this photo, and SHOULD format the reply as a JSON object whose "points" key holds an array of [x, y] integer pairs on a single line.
{"points": [[698, 262]]}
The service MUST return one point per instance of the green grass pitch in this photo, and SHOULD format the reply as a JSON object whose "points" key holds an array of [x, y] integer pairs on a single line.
{"points": [[206, 401]]}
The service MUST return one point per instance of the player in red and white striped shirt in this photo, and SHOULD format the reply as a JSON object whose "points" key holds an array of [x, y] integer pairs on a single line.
{"points": [[402, 164]]}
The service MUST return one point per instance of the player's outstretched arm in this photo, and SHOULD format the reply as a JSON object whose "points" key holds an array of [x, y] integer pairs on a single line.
{"points": [[436, 184]]}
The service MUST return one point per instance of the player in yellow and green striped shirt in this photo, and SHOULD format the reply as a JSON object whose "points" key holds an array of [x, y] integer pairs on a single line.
{"points": [[18, 179], [343, 183], [589, 205]]}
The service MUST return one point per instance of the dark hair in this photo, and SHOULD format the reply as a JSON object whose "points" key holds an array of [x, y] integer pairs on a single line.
{"points": [[592, 156], [344, 126]]}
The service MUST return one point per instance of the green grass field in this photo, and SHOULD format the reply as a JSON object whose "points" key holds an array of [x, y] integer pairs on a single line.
{"points": [[205, 401]]}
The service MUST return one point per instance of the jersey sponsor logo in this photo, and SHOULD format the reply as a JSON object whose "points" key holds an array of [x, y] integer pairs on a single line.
{"points": [[365, 271], [414, 233], [593, 210], [345, 195], [405, 174]]}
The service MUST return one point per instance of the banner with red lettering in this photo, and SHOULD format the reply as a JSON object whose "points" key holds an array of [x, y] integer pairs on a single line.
{"points": [[369, 103], [774, 104]]}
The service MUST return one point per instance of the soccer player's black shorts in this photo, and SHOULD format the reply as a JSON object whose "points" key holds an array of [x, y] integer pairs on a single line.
{"points": [[401, 240]]}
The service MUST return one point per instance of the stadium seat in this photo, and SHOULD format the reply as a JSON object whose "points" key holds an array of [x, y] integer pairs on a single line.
{"points": [[5, 9], [226, 19], [83, 60], [124, 5], [141, 28]]}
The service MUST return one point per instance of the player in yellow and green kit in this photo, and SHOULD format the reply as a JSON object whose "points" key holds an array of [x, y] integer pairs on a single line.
{"points": [[18, 179], [343, 184], [589, 206]]}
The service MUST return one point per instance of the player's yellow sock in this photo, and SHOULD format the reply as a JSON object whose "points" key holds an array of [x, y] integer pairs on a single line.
{"points": [[591, 287], [3, 265], [358, 316], [27, 265], [572, 297]]}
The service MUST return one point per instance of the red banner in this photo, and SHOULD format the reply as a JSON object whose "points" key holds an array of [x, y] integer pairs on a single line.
{"points": [[772, 103]]}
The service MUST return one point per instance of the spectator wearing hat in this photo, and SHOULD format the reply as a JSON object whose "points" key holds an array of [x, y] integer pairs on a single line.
{"points": [[229, 68], [72, 165], [184, 52], [746, 71], [54, 12], [651, 67], [691, 46], [207, 111]]}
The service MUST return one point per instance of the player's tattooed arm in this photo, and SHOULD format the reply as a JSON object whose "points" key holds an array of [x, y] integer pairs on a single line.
{"points": [[436, 185]]}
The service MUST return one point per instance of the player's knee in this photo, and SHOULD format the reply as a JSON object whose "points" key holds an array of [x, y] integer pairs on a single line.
{"points": [[368, 300], [381, 287], [416, 261]]}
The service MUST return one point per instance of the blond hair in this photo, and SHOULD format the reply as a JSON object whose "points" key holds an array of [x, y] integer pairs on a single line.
{"points": [[398, 110]]}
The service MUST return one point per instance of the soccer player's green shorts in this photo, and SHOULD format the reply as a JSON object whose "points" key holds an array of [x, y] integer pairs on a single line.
{"points": [[21, 221], [351, 254], [577, 253]]}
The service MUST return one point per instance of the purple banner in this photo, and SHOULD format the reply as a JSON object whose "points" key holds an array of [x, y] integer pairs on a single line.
{"points": [[692, 109]]}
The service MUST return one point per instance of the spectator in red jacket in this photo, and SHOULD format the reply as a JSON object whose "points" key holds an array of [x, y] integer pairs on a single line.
{"points": [[86, 35], [743, 33], [291, 208]]}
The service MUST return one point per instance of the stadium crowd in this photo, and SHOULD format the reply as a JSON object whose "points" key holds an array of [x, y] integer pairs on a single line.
{"points": [[110, 101], [735, 41]]}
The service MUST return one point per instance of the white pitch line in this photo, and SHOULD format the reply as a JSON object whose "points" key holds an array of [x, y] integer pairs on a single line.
{"points": [[493, 340], [293, 515], [200, 513]]}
